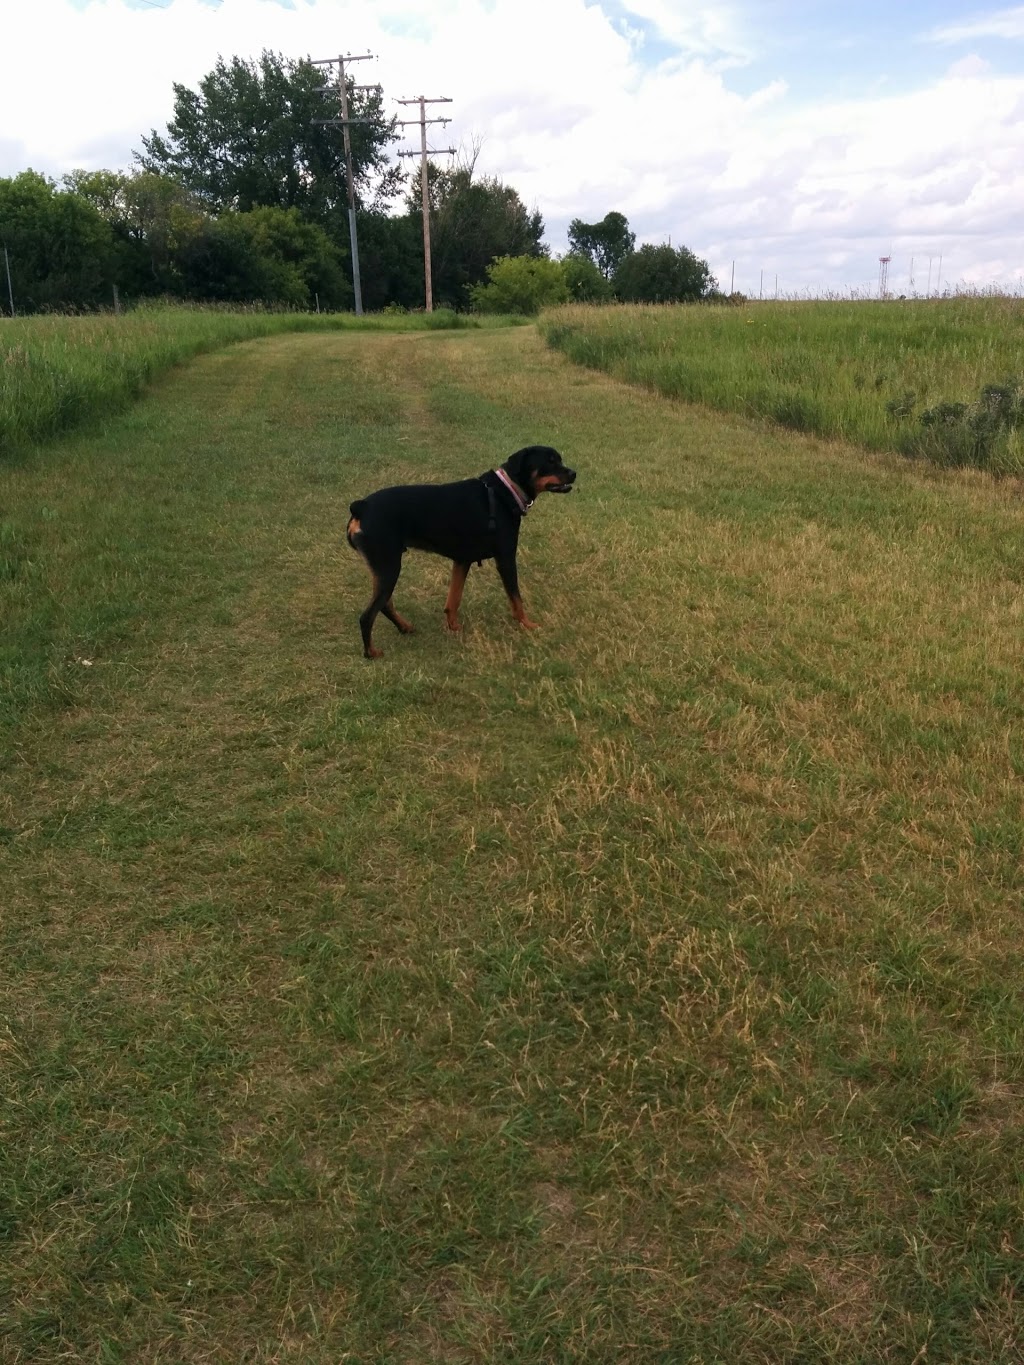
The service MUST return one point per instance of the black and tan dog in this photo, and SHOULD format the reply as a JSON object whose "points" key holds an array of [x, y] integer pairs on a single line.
{"points": [[466, 522]]}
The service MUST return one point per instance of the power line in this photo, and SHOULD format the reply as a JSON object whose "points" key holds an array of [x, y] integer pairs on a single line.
{"points": [[211, 4]]}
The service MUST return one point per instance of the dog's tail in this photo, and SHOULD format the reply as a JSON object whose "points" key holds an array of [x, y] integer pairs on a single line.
{"points": [[353, 530]]}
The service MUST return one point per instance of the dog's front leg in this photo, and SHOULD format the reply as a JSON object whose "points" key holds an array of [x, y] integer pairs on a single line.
{"points": [[510, 580], [460, 572]]}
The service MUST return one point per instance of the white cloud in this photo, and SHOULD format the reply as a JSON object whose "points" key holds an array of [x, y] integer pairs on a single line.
{"points": [[576, 116], [716, 30], [1003, 23], [971, 67]]}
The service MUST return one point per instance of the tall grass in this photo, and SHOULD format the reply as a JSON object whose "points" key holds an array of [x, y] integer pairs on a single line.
{"points": [[884, 375], [58, 371]]}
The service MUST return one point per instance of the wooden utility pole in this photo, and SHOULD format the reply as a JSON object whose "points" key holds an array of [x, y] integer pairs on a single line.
{"points": [[343, 123], [10, 290], [424, 186]]}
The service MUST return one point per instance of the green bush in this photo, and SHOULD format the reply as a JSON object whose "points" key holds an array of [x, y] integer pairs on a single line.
{"points": [[268, 254], [663, 274], [584, 281], [982, 434], [521, 284], [60, 249], [446, 320]]}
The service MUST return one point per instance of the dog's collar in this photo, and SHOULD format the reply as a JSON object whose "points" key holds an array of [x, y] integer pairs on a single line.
{"points": [[513, 488]]}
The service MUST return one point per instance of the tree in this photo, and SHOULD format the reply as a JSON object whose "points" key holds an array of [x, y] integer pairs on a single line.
{"points": [[160, 216], [584, 281], [606, 243], [269, 255], [473, 222], [663, 274], [59, 245], [521, 284], [166, 242], [150, 216], [302, 263], [391, 260], [104, 190], [248, 138]]}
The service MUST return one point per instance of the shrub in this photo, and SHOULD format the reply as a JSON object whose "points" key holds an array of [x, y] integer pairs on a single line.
{"points": [[663, 274], [521, 284], [966, 434], [446, 319], [584, 281]]}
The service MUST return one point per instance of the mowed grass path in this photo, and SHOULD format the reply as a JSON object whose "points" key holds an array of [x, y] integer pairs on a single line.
{"points": [[646, 987]]}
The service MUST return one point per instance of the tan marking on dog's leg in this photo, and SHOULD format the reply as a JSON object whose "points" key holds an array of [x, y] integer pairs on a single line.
{"points": [[460, 572], [519, 612], [406, 627]]}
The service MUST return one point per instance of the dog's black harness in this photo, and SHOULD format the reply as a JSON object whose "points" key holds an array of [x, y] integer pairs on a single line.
{"points": [[492, 504], [492, 508], [522, 505], [492, 512]]}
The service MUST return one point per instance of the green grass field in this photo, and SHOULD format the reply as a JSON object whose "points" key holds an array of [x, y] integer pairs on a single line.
{"points": [[58, 372], [936, 379], [646, 987]]}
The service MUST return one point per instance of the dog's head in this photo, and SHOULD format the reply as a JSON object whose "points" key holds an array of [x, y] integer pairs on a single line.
{"points": [[539, 469]]}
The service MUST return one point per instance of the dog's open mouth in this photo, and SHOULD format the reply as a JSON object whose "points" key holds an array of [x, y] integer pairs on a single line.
{"points": [[560, 488]]}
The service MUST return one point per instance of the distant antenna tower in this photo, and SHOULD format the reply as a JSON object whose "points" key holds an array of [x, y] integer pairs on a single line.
{"points": [[883, 276]]}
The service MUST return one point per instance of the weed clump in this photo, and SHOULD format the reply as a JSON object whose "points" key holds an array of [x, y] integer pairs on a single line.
{"points": [[980, 435]]}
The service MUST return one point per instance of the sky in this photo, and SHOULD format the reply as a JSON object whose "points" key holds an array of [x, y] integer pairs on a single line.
{"points": [[789, 143]]}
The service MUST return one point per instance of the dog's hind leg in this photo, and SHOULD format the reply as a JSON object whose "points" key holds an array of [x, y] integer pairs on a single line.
{"points": [[385, 575], [396, 619], [383, 586]]}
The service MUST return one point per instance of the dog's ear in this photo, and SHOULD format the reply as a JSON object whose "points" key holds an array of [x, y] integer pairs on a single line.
{"points": [[519, 467]]}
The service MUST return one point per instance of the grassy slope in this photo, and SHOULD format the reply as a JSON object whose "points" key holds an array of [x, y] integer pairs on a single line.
{"points": [[833, 369], [58, 372], [645, 987]]}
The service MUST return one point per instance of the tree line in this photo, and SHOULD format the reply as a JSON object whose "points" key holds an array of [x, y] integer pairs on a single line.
{"points": [[243, 198]]}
